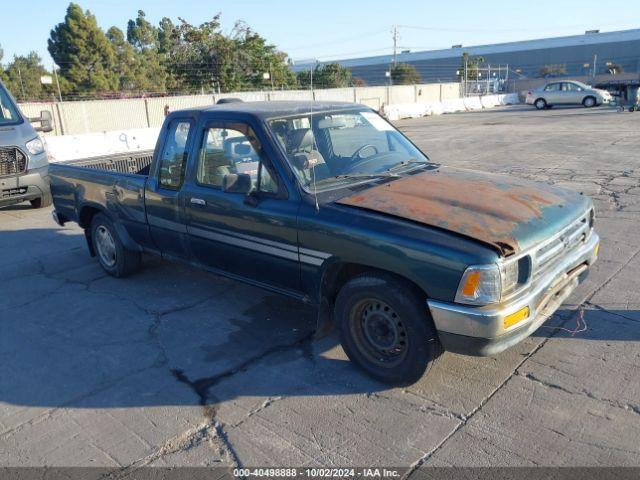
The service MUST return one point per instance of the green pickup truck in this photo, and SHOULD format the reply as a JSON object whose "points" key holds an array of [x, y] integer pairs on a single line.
{"points": [[330, 204]]}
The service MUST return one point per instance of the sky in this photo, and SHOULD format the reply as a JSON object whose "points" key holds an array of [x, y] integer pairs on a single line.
{"points": [[332, 29]]}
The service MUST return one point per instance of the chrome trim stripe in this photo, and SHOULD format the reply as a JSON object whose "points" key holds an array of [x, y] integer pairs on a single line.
{"points": [[284, 246], [314, 253], [239, 242], [311, 260], [257, 244]]}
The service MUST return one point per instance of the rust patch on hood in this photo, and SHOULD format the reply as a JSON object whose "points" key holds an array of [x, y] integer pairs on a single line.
{"points": [[487, 207]]}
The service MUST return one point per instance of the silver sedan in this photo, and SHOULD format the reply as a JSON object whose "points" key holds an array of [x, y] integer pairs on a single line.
{"points": [[567, 93]]}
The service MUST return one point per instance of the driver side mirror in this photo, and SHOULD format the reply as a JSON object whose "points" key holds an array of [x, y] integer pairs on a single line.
{"points": [[45, 120], [237, 183]]}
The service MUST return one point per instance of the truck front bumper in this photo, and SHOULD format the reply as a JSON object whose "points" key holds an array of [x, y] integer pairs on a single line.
{"points": [[481, 331], [24, 187]]}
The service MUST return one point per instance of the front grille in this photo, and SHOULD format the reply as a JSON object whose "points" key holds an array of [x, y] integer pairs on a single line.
{"points": [[13, 192], [12, 161], [552, 252]]}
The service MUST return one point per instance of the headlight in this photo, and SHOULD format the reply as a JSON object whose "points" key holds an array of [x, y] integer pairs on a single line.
{"points": [[486, 284], [35, 146], [480, 285]]}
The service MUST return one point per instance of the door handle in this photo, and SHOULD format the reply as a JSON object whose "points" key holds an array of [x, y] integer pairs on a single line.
{"points": [[198, 202]]}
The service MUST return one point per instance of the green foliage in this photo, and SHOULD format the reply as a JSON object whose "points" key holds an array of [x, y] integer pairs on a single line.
{"points": [[470, 67], [405, 74], [86, 58], [22, 77], [141, 34], [330, 75], [168, 57], [555, 70], [202, 58]]}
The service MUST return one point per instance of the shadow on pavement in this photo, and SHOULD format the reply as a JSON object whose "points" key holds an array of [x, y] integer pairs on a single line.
{"points": [[70, 336]]}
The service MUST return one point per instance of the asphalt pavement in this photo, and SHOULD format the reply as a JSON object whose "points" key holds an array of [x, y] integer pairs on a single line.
{"points": [[174, 366]]}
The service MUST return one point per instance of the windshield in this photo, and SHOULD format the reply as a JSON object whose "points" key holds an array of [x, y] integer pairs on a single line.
{"points": [[332, 149], [8, 111]]}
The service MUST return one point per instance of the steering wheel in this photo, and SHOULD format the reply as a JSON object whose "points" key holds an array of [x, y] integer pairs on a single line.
{"points": [[357, 154]]}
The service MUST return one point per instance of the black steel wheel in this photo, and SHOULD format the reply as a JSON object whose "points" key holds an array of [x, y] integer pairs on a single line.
{"points": [[386, 329], [379, 333]]}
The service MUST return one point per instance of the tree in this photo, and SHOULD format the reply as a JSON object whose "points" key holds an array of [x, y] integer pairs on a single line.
{"points": [[168, 36], [253, 57], [141, 34], [148, 70], [556, 70], [405, 74], [470, 67], [22, 77], [196, 54], [126, 59], [2, 77], [358, 82], [330, 75], [86, 58]]}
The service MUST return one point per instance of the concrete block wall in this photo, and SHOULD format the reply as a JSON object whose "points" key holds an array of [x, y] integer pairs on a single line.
{"points": [[97, 116]]}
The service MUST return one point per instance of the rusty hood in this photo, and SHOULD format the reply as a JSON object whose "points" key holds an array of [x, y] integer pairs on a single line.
{"points": [[508, 213]]}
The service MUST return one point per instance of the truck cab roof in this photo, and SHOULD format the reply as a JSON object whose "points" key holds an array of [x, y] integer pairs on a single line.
{"points": [[268, 109]]}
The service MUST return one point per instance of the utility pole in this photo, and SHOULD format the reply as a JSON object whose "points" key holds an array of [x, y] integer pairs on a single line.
{"points": [[55, 74], [595, 61], [466, 88], [21, 85], [271, 77], [396, 37]]}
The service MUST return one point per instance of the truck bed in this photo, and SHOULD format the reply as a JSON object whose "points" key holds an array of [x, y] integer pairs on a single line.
{"points": [[112, 183], [137, 163]]}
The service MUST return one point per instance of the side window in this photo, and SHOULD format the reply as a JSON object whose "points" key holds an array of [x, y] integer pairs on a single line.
{"points": [[552, 87], [233, 149], [174, 155]]}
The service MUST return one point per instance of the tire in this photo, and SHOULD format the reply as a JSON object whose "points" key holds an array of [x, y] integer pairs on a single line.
{"points": [[385, 328], [589, 102], [114, 258], [41, 202], [540, 104]]}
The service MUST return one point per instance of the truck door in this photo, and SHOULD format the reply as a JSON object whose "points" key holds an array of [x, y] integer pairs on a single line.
{"points": [[163, 198], [239, 217]]}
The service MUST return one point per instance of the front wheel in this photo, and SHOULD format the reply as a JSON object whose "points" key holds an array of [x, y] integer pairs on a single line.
{"points": [[589, 102], [385, 328], [114, 258], [41, 202]]}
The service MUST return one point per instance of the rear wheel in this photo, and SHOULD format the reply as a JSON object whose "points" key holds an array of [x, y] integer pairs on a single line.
{"points": [[540, 104], [589, 102], [114, 258], [385, 328]]}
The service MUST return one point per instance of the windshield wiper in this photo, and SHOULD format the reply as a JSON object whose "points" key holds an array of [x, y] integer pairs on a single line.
{"points": [[367, 175], [411, 161], [346, 176]]}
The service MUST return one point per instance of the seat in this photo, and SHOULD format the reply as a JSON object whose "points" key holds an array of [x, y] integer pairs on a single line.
{"points": [[304, 156], [215, 165]]}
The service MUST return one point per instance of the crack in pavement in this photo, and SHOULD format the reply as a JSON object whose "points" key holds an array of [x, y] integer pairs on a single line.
{"points": [[635, 408], [203, 386]]}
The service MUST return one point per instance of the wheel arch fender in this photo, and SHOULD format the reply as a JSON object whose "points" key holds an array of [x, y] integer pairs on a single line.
{"points": [[85, 216], [333, 275]]}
